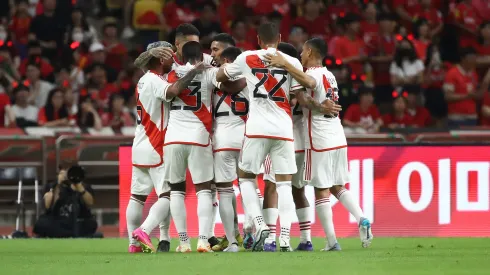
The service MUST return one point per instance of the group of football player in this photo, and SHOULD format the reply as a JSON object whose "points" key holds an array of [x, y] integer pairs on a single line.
{"points": [[234, 115]]}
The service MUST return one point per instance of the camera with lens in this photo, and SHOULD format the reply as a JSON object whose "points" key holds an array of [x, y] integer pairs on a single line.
{"points": [[75, 174]]}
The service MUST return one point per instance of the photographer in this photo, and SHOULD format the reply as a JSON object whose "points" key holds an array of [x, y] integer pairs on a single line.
{"points": [[67, 205]]}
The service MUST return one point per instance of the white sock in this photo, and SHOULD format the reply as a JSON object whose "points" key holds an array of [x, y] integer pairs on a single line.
{"points": [[247, 223], [261, 198], [204, 213], [226, 196], [134, 214], [324, 210], [304, 220], [270, 217], [235, 215], [158, 212], [214, 199], [286, 208], [251, 200], [165, 228], [179, 214], [345, 197]]}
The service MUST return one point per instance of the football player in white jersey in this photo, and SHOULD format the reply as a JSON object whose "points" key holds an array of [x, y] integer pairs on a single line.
{"points": [[230, 112], [326, 164], [147, 150], [188, 145], [269, 126]]}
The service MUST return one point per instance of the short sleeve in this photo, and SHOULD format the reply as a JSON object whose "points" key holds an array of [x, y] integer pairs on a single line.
{"points": [[295, 85], [159, 88], [449, 82], [349, 113], [234, 69]]}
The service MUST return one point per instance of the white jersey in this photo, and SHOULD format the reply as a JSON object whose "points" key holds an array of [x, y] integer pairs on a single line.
{"points": [[191, 118], [268, 90], [230, 114], [298, 128], [206, 58], [323, 133], [153, 116]]}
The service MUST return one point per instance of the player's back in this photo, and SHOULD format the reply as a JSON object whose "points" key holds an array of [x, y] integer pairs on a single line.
{"points": [[153, 116], [206, 58], [323, 131], [190, 113], [268, 90]]}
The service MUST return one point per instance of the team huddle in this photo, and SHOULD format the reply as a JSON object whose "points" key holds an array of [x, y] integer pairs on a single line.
{"points": [[256, 112]]}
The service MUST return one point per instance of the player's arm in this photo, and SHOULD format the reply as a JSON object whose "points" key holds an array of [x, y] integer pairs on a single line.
{"points": [[328, 107], [161, 52], [231, 70], [177, 87], [278, 60], [233, 87]]}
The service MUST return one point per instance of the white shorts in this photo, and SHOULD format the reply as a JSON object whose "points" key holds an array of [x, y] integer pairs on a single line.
{"points": [[255, 150], [144, 180], [179, 157], [297, 180], [326, 169], [225, 166]]}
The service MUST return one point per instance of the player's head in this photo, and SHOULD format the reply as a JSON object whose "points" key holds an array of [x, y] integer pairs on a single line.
{"points": [[192, 52], [229, 55], [314, 51], [288, 49], [221, 42], [185, 33], [155, 63], [268, 35]]}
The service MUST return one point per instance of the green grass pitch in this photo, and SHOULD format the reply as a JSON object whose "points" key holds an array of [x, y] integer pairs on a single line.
{"points": [[386, 256]]}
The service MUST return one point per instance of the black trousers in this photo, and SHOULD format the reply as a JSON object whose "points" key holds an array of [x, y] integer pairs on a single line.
{"points": [[56, 227]]}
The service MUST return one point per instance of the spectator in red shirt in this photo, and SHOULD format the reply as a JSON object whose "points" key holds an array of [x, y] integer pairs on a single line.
{"points": [[369, 26], [87, 116], [20, 23], [116, 52], [340, 8], [207, 24], [419, 115], [406, 10], [363, 117], [485, 108], [7, 116], [350, 48], [435, 74], [483, 8], [433, 16], [466, 18], [34, 51], [422, 37], [460, 90], [54, 114], [118, 116], [483, 47], [312, 20], [178, 12], [239, 33], [398, 117], [101, 87], [381, 51]]}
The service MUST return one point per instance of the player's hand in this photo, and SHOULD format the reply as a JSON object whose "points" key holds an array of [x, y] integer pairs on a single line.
{"points": [[329, 107], [162, 52], [201, 66], [275, 60]]}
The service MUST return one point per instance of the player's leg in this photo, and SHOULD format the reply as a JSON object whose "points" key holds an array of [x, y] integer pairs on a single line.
{"points": [[159, 211], [201, 170], [284, 166], [303, 211], [141, 187], [269, 207], [164, 241], [175, 171], [224, 175], [252, 156], [341, 175], [214, 194], [318, 167]]}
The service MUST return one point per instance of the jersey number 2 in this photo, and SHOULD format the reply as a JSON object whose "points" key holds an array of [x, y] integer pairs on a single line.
{"points": [[234, 100], [332, 94], [265, 77], [195, 91]]}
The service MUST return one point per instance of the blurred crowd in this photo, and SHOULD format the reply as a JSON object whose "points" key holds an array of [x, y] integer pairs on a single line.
{"points": [[398, 63]]}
